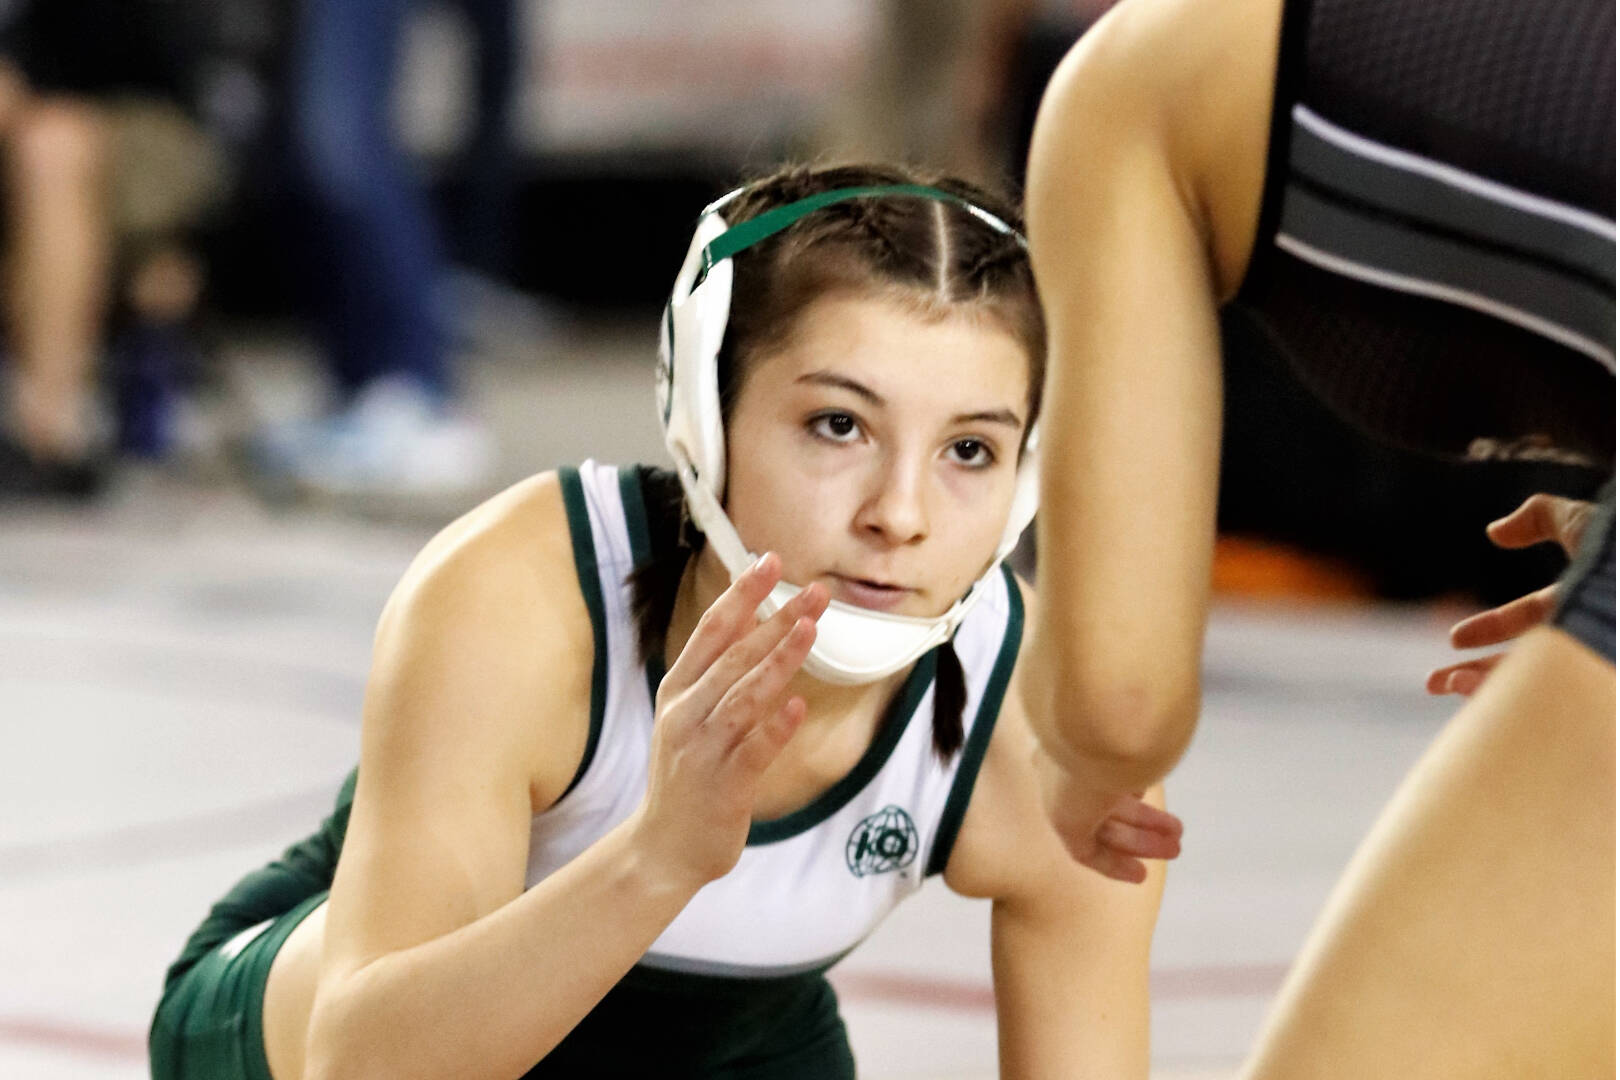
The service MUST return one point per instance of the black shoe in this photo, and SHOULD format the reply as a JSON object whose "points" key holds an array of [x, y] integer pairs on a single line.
{"points": [[24, 476]]}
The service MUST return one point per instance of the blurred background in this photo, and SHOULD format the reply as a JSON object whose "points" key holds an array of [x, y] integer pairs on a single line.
{"points": [[288, 284], [318, 249]]}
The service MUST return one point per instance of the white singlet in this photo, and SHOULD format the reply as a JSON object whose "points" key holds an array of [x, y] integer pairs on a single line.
{"points": [[812, 884]]}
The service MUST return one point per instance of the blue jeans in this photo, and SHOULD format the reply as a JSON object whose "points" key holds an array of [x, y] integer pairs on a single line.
{"points": [[375, 243]]}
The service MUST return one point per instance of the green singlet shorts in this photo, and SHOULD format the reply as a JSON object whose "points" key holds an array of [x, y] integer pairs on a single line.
{"points": [[209, 1021]]}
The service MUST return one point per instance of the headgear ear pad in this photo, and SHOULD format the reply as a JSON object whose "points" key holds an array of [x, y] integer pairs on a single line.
{"points": [[853, 644], [689, 376]]}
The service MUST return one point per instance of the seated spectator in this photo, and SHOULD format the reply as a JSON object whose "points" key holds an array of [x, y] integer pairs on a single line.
{"points": [[106, 164]]}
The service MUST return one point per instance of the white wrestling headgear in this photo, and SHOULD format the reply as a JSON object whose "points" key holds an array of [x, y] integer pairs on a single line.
{"points": [[853, 644]]}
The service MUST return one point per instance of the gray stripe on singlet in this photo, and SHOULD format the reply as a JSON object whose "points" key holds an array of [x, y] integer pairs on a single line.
{"points": [[1364, 245], [1451, 198]]}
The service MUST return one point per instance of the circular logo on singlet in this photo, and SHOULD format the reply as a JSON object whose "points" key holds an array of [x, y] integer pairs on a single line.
{"points": [[885, 841]]}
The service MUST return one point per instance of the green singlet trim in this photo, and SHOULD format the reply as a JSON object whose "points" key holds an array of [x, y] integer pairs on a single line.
{"points": [[900, 712], [836, 797], [590, 586], [745, 235], [950, 821], [635, 515]]}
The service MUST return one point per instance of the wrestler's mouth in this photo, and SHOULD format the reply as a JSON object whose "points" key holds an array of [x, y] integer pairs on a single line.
{"points": [[869, 593]]}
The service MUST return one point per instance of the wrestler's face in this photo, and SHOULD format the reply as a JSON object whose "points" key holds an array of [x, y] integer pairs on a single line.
{"points": [[876, 451]]}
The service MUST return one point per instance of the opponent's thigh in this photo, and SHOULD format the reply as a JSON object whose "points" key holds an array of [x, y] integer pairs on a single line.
{"points": [[1473, 933]]}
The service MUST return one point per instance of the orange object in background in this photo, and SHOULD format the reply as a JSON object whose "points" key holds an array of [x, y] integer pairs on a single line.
{"points": [[1257, 569]]}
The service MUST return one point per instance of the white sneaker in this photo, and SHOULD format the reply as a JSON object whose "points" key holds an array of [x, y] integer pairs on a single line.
{"points": [[392, 441]]}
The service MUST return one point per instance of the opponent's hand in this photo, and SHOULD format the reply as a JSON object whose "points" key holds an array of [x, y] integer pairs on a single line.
{"points": [[1111, 833], [722, 716], [1538, 519]]}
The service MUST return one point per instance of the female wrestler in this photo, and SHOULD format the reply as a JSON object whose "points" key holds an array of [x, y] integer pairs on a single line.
{"points": [[561, 861], [1417, 201]]}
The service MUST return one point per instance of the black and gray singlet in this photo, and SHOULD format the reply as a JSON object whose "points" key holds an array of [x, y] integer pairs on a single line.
{"points": [[1435, 253]]}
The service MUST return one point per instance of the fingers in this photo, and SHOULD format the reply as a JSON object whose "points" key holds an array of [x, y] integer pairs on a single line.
{"points": [[754, 698], [1140, 830], [743, 656], [1134, 841], [727, 619], [761, 745], [1111, 864], [1143, 815], [1539, 518], [1508, 621], [1499, 624], [1088, 824], [1463, 678], [1134, 830]]}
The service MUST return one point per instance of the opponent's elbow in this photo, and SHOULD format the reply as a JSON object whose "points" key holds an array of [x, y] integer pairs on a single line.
{"points": [[1134, 727]]}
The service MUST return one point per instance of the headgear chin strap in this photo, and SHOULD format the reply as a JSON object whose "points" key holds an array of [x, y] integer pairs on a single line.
{"points": [[853, 644]]}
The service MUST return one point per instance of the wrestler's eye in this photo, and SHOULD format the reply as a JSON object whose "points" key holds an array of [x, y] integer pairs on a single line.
{"points": [[838, 427], [974, 453]]}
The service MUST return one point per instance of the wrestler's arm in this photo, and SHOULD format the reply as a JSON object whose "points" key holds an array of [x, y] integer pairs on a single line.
{"points": [[1070, 956], [437, 961], [1137, 218], [428, 925], [1069, 948]]}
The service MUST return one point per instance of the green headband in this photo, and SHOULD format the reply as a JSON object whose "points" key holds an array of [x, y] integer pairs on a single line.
{"points": [[748, 233]]}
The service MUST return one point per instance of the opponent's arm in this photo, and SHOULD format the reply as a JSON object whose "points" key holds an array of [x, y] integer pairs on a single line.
{"points": [[1132, 251], [1070, 959], [437, 962], [1131, 449]]}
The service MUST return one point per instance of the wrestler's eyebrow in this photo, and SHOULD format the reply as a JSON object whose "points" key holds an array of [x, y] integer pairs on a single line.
{"points": [[866, 393], [990, 416], [844, 382]]}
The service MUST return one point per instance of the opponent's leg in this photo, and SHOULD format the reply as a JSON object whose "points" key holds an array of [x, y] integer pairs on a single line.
{"points": [[1473, 934]]}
